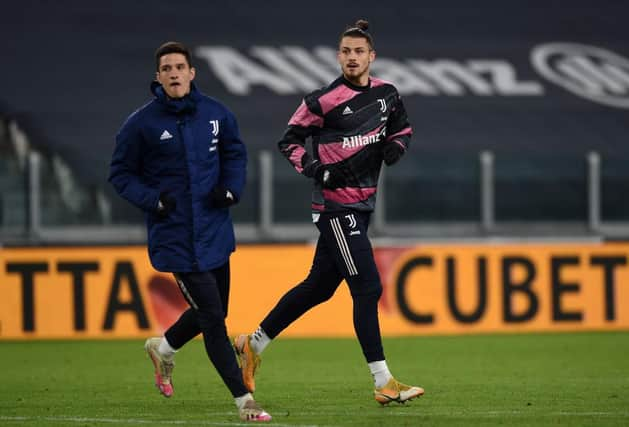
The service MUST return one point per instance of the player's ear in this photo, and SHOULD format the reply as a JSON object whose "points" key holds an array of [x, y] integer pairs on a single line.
{"points": [[372, 55], [193, 72]]}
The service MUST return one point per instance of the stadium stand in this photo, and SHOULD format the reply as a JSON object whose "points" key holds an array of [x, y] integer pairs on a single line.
{"points": [[545, 106]]}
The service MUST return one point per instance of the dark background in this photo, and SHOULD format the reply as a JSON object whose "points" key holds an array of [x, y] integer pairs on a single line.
{"points": [[73, 71]]}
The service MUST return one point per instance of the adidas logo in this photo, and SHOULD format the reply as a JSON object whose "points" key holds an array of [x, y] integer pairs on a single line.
{"points": [[347, 111], [165, 135]]}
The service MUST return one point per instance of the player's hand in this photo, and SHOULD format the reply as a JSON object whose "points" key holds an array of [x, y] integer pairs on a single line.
{"points": [[392, 152], [222, 197], [165, 205], [329, 176]]}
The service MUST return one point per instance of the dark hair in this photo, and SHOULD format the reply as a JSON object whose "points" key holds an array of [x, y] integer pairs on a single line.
{"points": [[359, 30], [172, 47]]}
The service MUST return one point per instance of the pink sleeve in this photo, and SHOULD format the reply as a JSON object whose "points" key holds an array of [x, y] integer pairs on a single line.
{"points": [[305, 118]]}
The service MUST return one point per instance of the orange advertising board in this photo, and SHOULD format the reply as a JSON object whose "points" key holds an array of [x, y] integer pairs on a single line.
{"points": [[102, 292]]}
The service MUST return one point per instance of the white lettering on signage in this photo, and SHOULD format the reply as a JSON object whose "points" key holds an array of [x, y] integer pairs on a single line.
{"points": [[587, 71], [503, 76], [291, 70], [280, 64], [239, 73]]}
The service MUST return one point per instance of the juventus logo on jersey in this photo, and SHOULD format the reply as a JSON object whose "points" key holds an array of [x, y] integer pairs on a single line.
{"points": [[383, 104], [214, 124]]}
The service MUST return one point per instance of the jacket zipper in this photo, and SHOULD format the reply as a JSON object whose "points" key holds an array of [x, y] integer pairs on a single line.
{"points": [[180, 124]]}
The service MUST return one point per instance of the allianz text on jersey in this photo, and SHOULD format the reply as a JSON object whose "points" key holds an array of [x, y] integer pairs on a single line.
{"points": [[590, 72]]}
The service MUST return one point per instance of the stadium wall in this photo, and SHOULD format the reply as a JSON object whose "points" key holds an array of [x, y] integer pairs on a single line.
{"points": [[113, 292], [540, 85]]}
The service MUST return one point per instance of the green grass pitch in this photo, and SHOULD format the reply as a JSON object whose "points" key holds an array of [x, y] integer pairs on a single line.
{"points": [[571, 379]]}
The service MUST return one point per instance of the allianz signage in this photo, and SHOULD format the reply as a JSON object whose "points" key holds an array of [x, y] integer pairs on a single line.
{"points": [[589, 72]]}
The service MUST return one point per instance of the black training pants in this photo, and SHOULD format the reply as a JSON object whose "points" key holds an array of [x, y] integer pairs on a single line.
{"points": [[207, 294], [343, 252]]}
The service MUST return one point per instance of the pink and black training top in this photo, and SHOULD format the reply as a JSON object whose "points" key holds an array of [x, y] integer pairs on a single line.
{"points": [[348, 126]]}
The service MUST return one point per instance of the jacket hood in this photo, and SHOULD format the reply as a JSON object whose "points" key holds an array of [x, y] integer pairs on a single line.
{"points": [[185, 105]]}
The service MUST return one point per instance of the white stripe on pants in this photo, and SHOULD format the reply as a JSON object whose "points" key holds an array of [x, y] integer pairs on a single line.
{"points": [[343, 246]]}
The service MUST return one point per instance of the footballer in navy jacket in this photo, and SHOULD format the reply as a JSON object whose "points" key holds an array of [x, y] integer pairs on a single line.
{"points": [[180, 159], [189, 152]]}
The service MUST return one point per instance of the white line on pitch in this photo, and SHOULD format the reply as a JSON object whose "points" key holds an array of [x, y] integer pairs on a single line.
{"points": [[18, 419]]}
